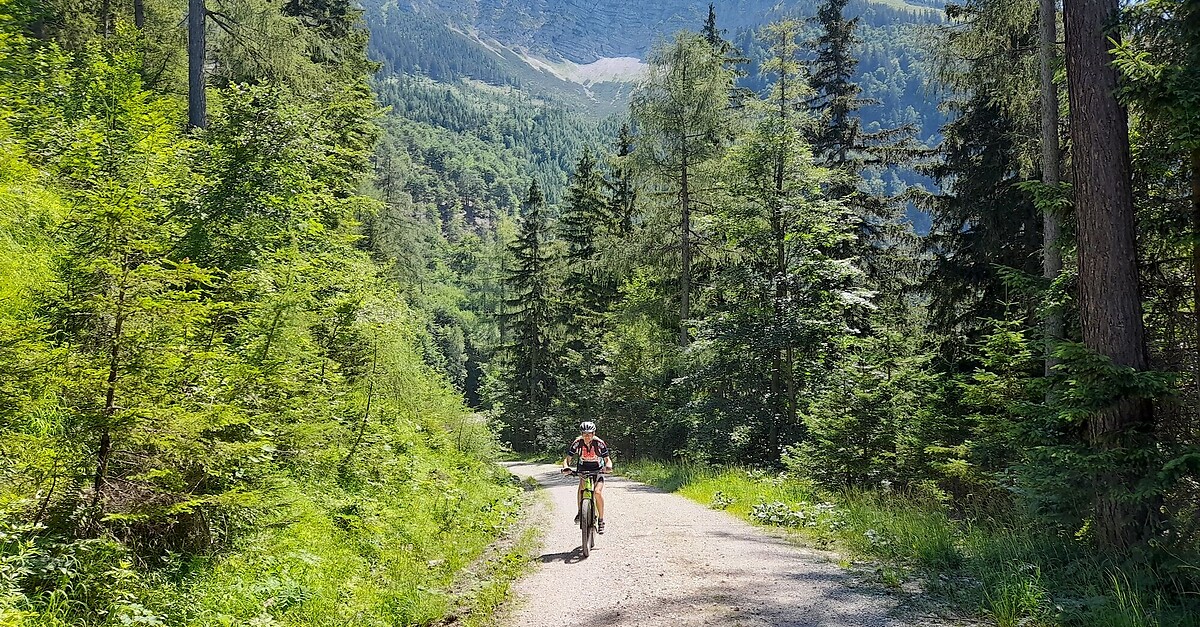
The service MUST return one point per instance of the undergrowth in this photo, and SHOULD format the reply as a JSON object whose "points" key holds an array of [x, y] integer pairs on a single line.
{"points": [[1011, 572], [381, 545]]}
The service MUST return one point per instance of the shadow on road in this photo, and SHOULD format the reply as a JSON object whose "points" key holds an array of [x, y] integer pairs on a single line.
{"points": [[574, 556]]}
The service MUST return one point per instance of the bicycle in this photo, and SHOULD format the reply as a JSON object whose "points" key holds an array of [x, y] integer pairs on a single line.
{"points": [[587, 508]]}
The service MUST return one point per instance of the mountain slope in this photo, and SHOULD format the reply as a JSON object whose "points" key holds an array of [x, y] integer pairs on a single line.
{"points": [[583, 31], [588, 54]]}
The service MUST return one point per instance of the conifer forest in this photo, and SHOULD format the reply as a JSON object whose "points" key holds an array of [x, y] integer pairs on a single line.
{"points": [[283, 281]]}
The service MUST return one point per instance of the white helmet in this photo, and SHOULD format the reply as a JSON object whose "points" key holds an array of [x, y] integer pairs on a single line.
{"points": [[587, 427]]}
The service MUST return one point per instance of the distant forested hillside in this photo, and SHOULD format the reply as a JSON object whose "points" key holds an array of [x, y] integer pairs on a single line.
{"points": [[583, 31], [467, 46]]}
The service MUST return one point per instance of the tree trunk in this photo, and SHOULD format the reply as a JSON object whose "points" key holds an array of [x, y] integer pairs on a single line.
{"points": [[1196, 255], [1051, 255], [1109, 295], [104, 453], [778, 235], [106, 18], [139, 13], [362, 426], [685, 276], [197, 104], [271, 335]]}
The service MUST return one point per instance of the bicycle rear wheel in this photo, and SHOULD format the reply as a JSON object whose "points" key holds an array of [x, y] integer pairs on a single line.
{"points": [[585, 524]]}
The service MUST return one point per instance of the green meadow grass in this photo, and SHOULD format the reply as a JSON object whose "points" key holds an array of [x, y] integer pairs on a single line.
{"points": [[1008, 572], [386, 546], [331, 557], [382, 554]]}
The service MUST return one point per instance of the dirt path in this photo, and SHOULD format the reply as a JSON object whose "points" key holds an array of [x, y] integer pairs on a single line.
{"points": [[666, 560]]}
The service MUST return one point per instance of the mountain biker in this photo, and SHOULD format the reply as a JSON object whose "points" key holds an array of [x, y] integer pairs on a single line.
{"points": [[593, 456]]}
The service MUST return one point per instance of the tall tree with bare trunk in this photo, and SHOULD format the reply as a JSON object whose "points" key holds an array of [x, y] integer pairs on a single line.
{"points": [[197, 101], [682, 110], [1109, 295], [1052, 261]]}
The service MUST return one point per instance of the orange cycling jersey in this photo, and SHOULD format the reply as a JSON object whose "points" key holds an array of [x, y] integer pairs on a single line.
{"points": [[588, 453]]}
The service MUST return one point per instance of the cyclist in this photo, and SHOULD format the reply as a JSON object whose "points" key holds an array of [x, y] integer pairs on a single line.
{"points": [[593, 456]]}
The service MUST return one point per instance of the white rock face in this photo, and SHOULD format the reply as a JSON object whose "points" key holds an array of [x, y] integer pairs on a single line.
{"points": [[602, 70]]}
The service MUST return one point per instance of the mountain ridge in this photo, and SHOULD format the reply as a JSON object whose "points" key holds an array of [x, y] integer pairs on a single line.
{"points": [[583, 53], [583, 31]]}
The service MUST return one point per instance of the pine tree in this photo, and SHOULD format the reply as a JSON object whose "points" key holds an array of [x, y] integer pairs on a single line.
{"points": [[528, 317], [840, 142], [1110, 304], [622, 191]]}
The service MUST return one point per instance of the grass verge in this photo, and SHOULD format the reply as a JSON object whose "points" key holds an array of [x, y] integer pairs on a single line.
{"points": [[484, 588], [385, 543], [1009, 572], [363, 557]]}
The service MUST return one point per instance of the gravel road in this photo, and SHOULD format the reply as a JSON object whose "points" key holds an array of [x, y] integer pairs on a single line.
{"points": [[666, 560]]}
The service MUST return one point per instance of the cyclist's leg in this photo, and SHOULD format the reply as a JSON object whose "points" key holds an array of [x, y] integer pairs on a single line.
{"points": [[600, 499], [579, 498]]}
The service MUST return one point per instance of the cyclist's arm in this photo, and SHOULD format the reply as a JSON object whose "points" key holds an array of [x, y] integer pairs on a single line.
{"points": [[608, 463], [566, 462]]}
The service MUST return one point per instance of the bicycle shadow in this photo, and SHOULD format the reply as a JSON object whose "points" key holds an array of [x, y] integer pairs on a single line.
{"points": [[574, 556]]}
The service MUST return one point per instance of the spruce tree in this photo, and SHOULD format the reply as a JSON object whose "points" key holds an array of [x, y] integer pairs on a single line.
{"points": [[585, 212], [839, 135], [985, 222], [622, 191], [782, 302], [588, 288], [981, 221], [585, 219], [840, 142], [528, 317], [1110, 302], [733, 58]]}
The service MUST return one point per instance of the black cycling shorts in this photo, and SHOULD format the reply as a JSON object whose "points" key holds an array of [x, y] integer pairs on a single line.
{"points": [[585, 467]]}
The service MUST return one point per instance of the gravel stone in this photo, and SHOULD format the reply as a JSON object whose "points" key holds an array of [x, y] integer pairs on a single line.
{"points": [[665, 560]]}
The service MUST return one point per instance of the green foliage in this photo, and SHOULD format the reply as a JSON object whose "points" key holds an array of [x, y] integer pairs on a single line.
{"points": [[639, 353], [530, 321], [680, 106], [216, 409], [873, 419], [1008, 569], [1160, 64], [589, 219]]}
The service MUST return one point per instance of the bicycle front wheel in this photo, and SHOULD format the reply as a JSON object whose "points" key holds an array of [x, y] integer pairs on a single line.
{"points": [[585, 524]]}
